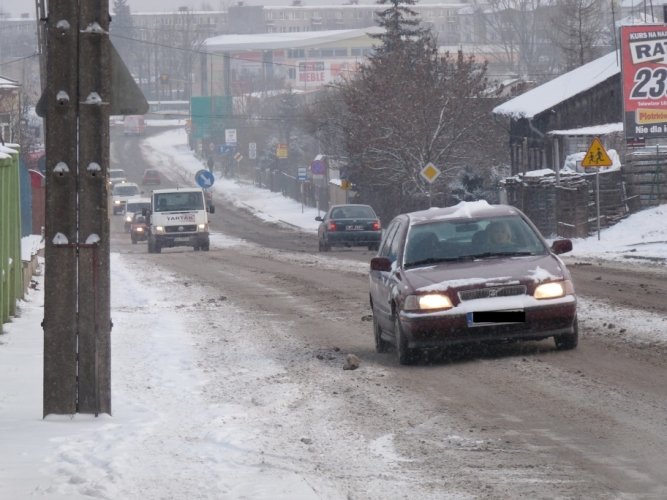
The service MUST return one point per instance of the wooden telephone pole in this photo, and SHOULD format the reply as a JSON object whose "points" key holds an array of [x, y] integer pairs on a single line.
{"points": [[83, 78]]}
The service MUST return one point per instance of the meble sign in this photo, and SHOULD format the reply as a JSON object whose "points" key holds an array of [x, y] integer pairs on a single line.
{"points": [[644, 76]]}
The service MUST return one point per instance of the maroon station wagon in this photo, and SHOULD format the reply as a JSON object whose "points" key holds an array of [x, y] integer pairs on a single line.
{"points": [[470, 273]]}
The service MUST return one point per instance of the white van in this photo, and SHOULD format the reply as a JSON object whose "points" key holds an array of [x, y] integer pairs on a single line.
{"points": [[178, 218]]}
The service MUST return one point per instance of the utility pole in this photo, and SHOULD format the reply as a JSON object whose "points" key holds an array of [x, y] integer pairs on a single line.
{"points": [[86, 82], [60, 99], [40, 11]]}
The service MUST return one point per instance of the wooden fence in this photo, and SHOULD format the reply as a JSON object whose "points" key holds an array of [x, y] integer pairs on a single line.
{"points": [[568, 208]]}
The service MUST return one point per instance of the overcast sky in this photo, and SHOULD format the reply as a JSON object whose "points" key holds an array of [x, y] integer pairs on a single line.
{"points": [[16, 7]]}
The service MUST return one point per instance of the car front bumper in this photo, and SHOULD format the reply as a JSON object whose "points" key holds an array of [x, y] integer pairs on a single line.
{"points": [[557, 317], [182, 240]]}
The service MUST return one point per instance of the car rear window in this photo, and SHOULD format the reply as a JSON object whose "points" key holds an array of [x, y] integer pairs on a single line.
{"points": [[353, 212]]}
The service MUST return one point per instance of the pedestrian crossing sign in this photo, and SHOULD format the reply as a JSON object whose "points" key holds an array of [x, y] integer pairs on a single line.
{"points": [[596, 156]]}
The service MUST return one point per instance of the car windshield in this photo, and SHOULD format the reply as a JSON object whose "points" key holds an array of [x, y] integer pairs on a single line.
{"points": [[125, 190], [167, 202], [137, 207], [353, 212], [115, 174], [456, 240]]}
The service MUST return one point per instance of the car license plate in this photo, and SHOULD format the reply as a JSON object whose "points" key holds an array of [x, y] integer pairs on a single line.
{"points": [[479, 318], [181, 239], [354, 228]]}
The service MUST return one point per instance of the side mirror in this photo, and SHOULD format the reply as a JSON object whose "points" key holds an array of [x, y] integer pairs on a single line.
{"points": [[380, 264], [211, 209], [561, 246], [319, 218]]}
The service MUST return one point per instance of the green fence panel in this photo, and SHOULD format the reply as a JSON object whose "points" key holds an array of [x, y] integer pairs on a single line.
{"points": [[11, 276]]}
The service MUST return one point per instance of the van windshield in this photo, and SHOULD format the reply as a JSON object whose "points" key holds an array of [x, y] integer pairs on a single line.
{"points": [[168, 202], [125, 190]]}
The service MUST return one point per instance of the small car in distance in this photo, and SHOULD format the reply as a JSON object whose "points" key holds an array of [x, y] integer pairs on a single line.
{"points": [[151, 177], [471, 273], [349, 225], [121, 193], [138, 228], [116, 176], [134, 125], [132, 206]]}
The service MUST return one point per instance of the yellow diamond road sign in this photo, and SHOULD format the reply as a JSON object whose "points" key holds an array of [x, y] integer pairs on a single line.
{"points": [[596, 156], [430, 172]]}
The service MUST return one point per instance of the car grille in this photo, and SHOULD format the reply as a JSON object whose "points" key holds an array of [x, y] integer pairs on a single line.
{"points": [[498, 291], [175, 229]]}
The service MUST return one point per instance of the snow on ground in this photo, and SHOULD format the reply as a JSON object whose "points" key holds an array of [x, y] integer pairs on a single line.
{"points": [[168, 438], [642, 235], [171, 152]]}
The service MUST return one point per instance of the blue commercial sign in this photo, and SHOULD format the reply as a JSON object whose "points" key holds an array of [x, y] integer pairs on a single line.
{"points": [[204, 178]]}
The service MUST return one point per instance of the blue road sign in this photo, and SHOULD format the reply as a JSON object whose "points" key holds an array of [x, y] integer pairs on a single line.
{"points": [[226, 149], [318, 167], [204, 178]]}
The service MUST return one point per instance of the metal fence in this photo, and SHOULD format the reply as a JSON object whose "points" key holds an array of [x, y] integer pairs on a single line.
{"points": [[306, 192], [11, 275]]}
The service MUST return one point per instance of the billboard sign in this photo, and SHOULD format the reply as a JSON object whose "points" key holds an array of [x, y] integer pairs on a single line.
{"points": [[644, 74], [312, 71]]}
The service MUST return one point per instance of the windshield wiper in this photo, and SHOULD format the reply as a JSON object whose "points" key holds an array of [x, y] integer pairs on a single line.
{"points": [[436, 260], [501, 254]]}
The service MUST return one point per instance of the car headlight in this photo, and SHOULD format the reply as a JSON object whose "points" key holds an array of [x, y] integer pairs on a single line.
{"points": [[553, 290], [159, 229], [203, 227], [128, 218], [116, 202], [429, 302], [140, 230]]}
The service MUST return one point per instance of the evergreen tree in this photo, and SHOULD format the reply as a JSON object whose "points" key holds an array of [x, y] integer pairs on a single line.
{"points": [[401, 25]]}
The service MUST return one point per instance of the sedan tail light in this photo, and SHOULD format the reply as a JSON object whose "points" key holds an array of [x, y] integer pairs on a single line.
{"points": [[376, 225], [331, 226]]}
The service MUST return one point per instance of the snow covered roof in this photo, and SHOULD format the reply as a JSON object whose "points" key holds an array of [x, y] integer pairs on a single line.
{"points": [[596, 130], [561, 88], [6, 83], [284, 40]]}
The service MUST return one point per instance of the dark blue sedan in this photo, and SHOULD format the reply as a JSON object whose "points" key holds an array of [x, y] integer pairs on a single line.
{"points": [[350, 225]]}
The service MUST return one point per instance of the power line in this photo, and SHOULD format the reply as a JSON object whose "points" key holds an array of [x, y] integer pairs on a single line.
{"points": [[19, 59]]}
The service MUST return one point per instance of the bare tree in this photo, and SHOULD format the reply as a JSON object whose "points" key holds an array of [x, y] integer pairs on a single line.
{"points": [[580, 30], [519, 29]]}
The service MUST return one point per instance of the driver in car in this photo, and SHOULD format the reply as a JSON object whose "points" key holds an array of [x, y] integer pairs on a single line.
{"points": [[499, 235]]}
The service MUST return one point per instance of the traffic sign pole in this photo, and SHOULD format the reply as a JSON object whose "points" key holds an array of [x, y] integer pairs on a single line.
{"points": [[597, 197], [597, 157]]}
